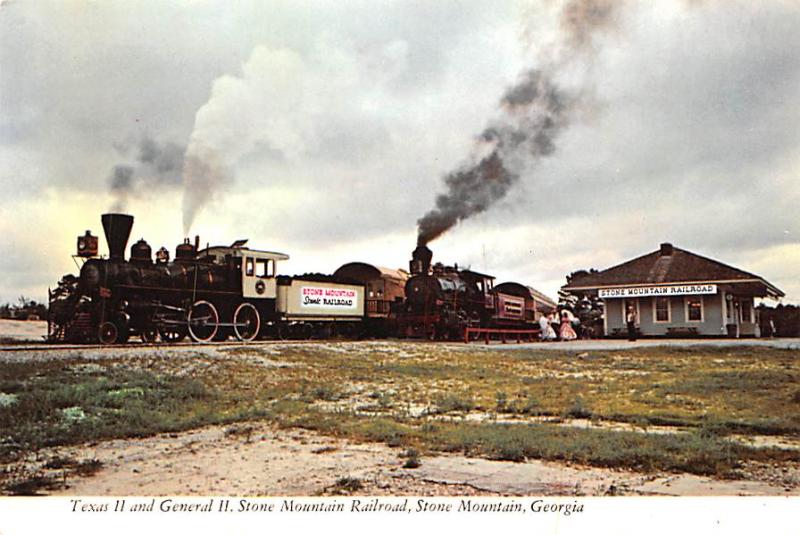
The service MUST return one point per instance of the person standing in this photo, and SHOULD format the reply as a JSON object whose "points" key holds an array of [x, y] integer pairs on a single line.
{"points": [[544, 326], [567, 332], [554, 324], [631, 320]]}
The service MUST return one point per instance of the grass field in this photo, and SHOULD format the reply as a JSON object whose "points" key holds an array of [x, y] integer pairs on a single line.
{"points": [[508, 404]]}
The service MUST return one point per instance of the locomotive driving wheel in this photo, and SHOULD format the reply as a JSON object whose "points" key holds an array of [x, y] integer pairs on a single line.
{"points": [[203, 321], [246, 322]]}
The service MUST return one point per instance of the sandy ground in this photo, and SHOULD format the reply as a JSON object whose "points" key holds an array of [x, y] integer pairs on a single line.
{"points": [[258, 459], [23, 331]]}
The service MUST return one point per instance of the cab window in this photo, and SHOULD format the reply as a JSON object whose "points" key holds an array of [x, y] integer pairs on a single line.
{"points": [[249, 267], [265, 268]]}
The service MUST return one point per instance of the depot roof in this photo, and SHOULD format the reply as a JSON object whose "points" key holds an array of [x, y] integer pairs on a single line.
{"points": [[669, 265]]}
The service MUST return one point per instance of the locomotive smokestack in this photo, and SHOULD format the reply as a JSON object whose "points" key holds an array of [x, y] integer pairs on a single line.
{"points": [[117, 228], [420, 260]]}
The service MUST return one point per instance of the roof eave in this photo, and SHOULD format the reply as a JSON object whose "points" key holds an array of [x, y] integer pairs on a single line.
{"points": [[770, 288]]}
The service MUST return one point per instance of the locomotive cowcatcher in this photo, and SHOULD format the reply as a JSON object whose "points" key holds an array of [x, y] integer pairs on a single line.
{"points": [[207, 295]]}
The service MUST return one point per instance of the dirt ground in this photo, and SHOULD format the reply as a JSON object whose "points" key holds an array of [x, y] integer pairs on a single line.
{"points": [[261, 460], [22, 331]]}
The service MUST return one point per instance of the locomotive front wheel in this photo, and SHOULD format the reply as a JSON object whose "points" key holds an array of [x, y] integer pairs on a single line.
{"points": [[149, 335], [203, 321], [107, 333], [246, 322]]}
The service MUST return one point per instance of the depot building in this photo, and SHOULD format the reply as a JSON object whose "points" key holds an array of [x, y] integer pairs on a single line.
{"points": [[677, 293]]}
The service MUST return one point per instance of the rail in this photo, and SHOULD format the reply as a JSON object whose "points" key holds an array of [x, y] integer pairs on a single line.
{"points": [[487, 333]]}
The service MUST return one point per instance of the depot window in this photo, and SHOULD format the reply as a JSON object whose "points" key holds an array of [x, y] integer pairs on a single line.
{"points": [[662, 311], [694, 309]]}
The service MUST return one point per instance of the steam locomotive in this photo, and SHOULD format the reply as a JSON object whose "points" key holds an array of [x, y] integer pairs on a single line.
{"points": [[441, 301], [208, 294]]}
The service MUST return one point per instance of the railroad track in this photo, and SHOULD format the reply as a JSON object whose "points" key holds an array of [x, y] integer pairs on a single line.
{"points": [[43, 346]]}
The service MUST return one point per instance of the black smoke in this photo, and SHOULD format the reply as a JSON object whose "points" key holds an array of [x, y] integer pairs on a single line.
{"points": [[533, 112]]}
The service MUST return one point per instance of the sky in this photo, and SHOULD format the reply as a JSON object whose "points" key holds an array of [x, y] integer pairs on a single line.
{"points": [[325, 130]]}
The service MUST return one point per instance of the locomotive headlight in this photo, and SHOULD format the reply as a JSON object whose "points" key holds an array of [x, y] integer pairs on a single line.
{"points": [[123, 305]]}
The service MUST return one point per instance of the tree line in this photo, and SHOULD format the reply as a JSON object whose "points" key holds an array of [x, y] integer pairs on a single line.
{"points": [[23, 309]]}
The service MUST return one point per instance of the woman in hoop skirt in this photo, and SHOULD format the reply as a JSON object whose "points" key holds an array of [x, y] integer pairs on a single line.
{"points": [[566, 332]]}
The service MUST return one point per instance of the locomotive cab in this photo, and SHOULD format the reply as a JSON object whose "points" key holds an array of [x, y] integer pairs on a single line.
{"points": [[257, 268]]}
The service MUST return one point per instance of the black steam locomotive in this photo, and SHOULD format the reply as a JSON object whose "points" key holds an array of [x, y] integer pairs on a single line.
{"points": [[441, 301], [208, 295]]}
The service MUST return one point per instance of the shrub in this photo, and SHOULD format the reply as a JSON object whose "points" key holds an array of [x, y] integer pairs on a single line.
{"points": [[454, 403], [578, 409], [412, 458], [347, 484]]}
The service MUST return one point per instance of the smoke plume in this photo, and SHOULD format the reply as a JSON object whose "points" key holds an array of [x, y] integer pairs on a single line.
{"points": [[533, 112], [203, 173], [155, 166]]}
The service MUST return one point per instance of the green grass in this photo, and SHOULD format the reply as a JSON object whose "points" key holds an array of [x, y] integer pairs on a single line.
{"points": [[56, 405], [700, 452]]}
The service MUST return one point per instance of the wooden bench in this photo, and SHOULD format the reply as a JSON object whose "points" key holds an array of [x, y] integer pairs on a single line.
{"points": [[680, 332]]}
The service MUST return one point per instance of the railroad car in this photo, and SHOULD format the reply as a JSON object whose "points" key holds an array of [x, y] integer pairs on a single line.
{"points": [[385, 294]]}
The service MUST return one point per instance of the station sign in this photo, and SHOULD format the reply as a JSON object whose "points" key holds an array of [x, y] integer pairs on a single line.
{"points": [[320, 297], [658, 291]]}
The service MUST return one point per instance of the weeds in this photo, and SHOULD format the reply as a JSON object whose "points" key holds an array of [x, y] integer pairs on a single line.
{"points": [[454, 403], [578, 409], [65, 408], [325, 393], [346, 485], [412, 458]]}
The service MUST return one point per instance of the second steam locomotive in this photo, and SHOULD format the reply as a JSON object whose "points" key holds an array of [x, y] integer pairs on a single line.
{"points": [[234, 291]]}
